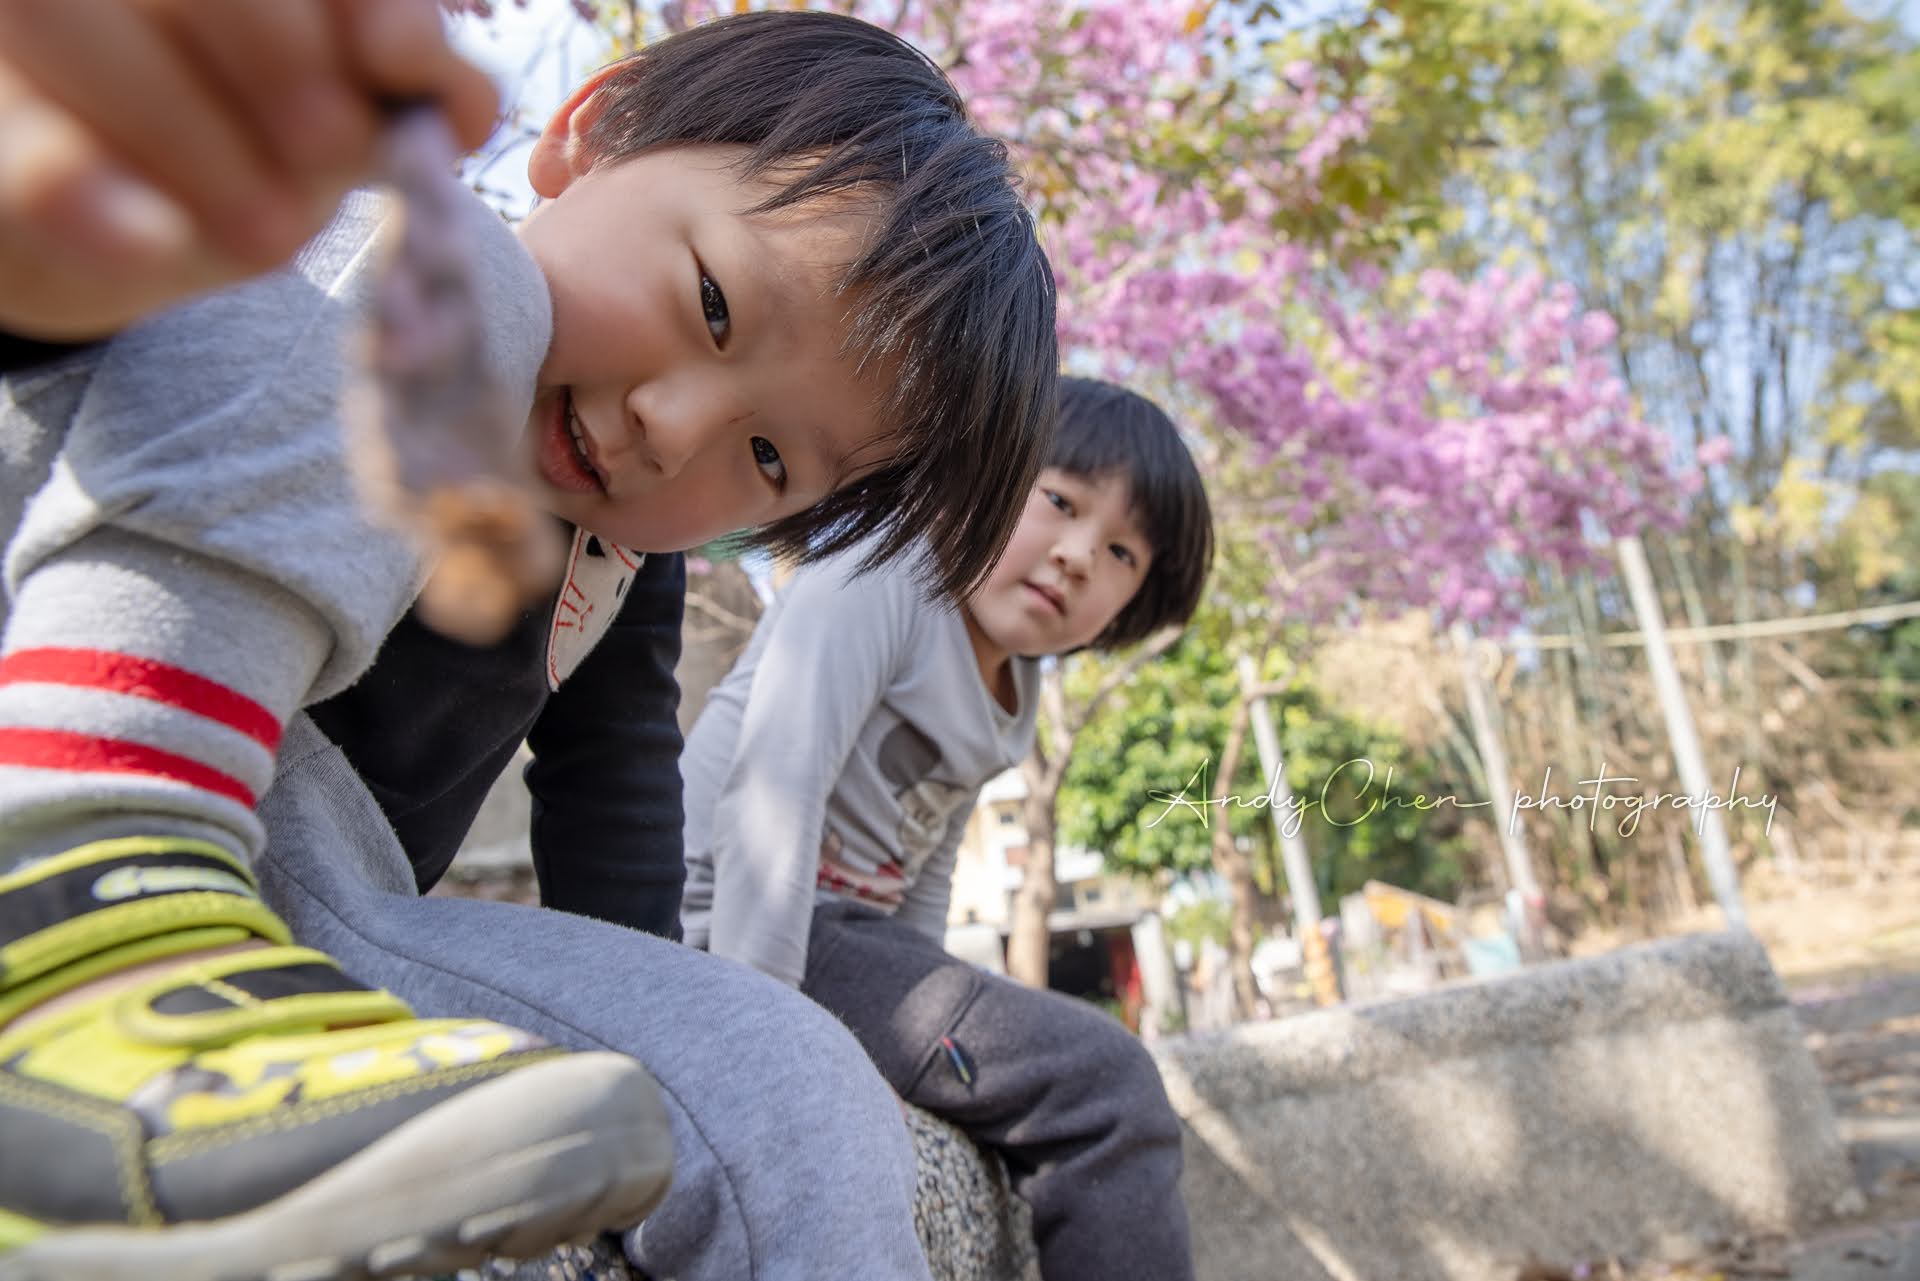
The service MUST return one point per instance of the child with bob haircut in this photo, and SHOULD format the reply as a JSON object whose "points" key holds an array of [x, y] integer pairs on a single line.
{"points": [[829, 779], [778, 282]]}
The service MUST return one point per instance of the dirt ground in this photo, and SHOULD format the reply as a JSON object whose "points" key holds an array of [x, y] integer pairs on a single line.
{"points": [[1850, 957]]}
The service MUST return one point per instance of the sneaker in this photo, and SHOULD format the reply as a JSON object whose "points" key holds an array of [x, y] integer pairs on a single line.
{"points": [[258, 1115]]}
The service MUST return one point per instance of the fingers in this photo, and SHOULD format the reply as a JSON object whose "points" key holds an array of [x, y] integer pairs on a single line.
{"points": [[151, 148], [114, 69], [62, 187], [85, 244], [279, 63], [399, 48]]}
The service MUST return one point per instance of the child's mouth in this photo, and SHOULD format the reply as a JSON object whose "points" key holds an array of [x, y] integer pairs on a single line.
{"points": [[1050, 596], [566, 452]]}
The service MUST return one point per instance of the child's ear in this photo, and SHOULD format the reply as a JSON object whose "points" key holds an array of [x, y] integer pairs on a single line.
{"points": [[560, 153]]}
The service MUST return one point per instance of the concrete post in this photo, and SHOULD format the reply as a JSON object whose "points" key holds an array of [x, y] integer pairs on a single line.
{"points": [[1714, 850], [1318, 962], [1493, 756], [1273, 767]]}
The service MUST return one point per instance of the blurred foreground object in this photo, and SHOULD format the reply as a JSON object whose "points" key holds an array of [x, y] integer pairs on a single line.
{"points": [[436, 443]]}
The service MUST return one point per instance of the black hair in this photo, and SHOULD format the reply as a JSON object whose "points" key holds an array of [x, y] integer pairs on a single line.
{"points": [[1105, 430], [953, 291]]}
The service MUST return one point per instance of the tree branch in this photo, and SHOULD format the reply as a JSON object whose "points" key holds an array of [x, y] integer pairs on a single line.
{"points": [[1157, 644], [721, 614]]}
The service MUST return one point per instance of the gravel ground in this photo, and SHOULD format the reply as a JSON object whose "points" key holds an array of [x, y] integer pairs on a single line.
{"points": [[1862, 1020], [1851, 959]]}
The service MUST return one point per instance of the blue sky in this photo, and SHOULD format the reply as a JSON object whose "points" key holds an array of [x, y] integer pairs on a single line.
{"points": [[536, 55]]}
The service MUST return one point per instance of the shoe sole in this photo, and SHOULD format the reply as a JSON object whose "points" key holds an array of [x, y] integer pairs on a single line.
{"points": [[541, 1156]]}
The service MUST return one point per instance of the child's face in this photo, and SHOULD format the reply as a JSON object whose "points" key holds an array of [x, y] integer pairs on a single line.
{"points": [[696, 383], [1075, 560]]}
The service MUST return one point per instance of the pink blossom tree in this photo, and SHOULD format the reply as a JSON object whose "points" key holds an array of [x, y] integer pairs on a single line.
{"points": [[1418, 443], [1223, 201], [1406, 443]]}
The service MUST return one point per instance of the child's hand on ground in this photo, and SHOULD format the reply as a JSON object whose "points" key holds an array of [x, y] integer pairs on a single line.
{"points": [[150, 149]]}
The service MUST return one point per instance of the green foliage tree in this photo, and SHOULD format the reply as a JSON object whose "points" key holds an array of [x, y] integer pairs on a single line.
{"points": [[1160, 737], [1872, 557], [1736, 182]]}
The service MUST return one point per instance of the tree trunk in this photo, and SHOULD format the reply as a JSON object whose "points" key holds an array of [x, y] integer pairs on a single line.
{"points": [[1583, 871], [1028, 941], [1045, 769], [1749, 711]]}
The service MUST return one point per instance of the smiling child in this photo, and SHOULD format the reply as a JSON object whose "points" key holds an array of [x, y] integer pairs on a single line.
{"points": [[779, 282], [830, 868]]}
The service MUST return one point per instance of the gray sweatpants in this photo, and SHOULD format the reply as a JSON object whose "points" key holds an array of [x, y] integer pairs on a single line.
{"points": [[792, 1160], [1068, 1097]]}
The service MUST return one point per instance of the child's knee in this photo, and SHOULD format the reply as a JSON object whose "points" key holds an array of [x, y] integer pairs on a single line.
{"points": [[1130, 1076], [792, 1040]]}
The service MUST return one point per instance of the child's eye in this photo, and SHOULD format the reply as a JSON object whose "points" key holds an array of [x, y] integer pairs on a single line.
{"points": [[1123, 554], [713, 309], [767, 458], [1059, 500]]}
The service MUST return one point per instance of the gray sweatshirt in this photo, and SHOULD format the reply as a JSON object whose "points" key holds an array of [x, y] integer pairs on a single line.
{"points": [[840, 758], [186, 558]]}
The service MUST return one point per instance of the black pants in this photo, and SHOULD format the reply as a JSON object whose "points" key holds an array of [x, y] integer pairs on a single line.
{"points": [[1068, 1097]]}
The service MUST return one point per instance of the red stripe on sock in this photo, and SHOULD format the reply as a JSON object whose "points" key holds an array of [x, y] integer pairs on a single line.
{"points": [[59, 749], [144, 678]]}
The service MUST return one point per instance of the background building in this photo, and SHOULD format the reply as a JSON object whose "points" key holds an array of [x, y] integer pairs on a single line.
{"points": [[1098, 944]]}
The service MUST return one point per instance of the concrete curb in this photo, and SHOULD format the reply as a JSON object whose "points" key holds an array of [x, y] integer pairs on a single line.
{"points": [[1644, 1104]]}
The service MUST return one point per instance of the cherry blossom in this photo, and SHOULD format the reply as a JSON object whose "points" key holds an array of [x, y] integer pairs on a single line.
{"points": [[1421, 443]]}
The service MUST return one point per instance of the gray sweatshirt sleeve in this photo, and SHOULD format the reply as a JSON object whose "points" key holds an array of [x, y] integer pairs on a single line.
{"points": [[829, 659], [187, 561]]}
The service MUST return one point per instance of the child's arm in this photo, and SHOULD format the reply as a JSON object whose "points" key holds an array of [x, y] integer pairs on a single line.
{"points": [[151, 149], [182, 515], [928, 898], [831, 652], [191, 562], [605, 776]]}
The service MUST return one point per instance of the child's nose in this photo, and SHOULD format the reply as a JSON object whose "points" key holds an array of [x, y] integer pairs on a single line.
{"points": [[667, 431], [669, 447], [1072, 554]]}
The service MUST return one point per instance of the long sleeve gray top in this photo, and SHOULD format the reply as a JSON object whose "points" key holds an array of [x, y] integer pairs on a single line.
{"points": [[840, 758]]}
